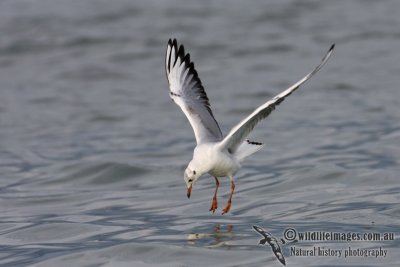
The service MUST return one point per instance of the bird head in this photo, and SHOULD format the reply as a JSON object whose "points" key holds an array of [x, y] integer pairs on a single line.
{"points": [[190, 176]]}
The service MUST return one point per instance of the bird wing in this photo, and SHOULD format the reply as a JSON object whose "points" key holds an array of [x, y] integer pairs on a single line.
{"points": [[259, 230], [239, 133], [187, 92], [276, 248]]}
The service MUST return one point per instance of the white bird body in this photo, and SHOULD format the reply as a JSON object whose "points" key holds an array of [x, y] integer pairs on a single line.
{"points": [[214, 154], [210, 158]]}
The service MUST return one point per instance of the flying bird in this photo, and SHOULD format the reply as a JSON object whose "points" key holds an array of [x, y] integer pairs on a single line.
{"points": [[215, 154], [272, 241]]}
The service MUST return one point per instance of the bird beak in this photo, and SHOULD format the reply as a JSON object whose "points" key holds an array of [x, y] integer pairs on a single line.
{"points": [[189, 191]]}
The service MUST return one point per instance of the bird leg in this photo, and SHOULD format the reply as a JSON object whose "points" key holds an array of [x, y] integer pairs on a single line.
{"points": [[228, 204], [214, 204]]}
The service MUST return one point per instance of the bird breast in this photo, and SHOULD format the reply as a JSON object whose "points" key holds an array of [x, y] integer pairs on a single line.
{"points": [[219, 163]]}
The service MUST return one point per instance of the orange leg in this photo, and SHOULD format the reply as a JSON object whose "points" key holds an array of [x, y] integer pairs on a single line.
{"points": [[228, 204], [214, 204]]}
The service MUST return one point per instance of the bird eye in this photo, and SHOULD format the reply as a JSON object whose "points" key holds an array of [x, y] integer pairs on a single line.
{"points": [[194, 172]]}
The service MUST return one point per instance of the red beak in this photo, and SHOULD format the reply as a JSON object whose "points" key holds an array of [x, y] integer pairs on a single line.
{"points": [[189, 191]]}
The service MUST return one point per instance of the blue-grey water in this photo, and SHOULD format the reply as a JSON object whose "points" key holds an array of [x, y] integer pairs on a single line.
{"points": [[92, 149]]}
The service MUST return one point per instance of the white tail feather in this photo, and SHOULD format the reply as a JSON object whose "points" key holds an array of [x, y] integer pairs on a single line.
{"points": [[247, 148]]}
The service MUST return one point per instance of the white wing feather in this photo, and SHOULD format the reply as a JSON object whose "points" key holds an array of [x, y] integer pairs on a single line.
{"points": [[187, 92], [239, 133]]}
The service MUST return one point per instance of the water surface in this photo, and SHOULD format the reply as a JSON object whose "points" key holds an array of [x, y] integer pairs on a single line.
{"points": [[92, 149]]}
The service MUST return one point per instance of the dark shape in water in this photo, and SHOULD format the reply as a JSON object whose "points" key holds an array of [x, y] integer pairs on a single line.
{"points": [[272, 241]]}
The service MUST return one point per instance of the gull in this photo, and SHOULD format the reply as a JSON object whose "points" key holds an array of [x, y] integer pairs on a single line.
{"points": [[215, 154]]}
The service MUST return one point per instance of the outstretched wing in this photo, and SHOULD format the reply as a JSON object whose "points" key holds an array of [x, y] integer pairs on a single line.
{"points": [[239, 133], [187, 92]]}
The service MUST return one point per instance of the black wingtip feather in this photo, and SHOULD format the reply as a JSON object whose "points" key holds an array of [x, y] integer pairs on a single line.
{"points": [[186, 59], [181, 52]]}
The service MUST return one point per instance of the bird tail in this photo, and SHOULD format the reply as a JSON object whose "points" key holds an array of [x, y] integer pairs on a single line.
{"points": [[247, 148]]}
